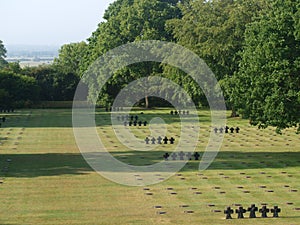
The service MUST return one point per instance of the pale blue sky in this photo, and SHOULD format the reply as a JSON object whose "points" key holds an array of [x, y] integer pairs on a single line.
{"points": [[49, 22]]}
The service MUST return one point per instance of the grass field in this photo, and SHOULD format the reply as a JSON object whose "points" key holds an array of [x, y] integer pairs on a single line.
{"points": [[45, 180]]}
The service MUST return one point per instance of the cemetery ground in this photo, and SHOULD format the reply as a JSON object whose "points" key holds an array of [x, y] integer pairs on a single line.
{"points": [[45, 180]]}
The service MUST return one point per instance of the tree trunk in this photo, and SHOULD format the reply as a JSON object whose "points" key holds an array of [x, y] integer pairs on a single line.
{"points": [[146, 102]]}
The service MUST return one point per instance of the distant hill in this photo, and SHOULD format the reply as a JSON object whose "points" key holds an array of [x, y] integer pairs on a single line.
{"points": [[31, 55], [31, 51]]}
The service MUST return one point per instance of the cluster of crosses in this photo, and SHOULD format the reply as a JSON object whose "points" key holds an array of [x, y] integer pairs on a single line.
{"points": [[183, 112], [252, 209], [131, 120], [111, 109], [181, 155], [6, 110], [159, 140], [226, 130]]}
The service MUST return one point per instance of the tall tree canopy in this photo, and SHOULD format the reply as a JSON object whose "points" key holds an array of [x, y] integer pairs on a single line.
{"points": [[129, 21], [2, 55], [267, 86]]}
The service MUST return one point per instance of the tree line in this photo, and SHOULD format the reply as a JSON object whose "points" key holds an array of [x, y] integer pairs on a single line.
{"points": [[252, 46]]}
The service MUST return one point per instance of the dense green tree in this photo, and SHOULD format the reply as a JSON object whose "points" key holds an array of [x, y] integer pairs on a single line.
{"points": [[3, 63], [17, 90], [69, 58], [129, 21], [267, 87]]}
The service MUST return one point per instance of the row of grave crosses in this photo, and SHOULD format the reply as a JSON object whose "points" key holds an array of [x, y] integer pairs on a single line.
{"points": [[6, 110], [159, 140], [127, 118], [226, 130], [112, 109], [252, 209], [181, 155], [135, 123], [183, 112]]}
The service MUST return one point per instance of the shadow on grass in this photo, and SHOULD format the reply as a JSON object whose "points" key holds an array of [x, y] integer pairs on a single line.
{"points": [[35, 165], [47, 118]]}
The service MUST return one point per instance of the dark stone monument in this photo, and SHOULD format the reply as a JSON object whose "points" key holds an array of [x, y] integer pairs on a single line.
{"points": [[221, 130], [179, 112], [183, 112], [136, 118], [252, 209], [153, 140], [145, 123], [165, 140], [240, 211], [228, 213], [172, 140], [176, 113], [172, 113], [140, 123], [196, 155], [130, 123], [181, 155], [174, 156], [275, 211], [159, 139], [3, 119], [189, 156], [237, 130], [147, 140], [264, 210], [216, 130], [135, 123], [125, 123], [187, 112], [131, 117], [166, 156], [226, 129], [231, 130]]}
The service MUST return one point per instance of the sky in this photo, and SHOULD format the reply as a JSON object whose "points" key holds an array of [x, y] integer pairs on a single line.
{"points": [[49, 22]]}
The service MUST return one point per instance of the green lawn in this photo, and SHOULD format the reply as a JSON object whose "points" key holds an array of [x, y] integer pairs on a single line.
{"points": [[48, 181]]}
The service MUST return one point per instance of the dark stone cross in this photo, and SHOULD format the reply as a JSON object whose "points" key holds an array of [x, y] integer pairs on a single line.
{"points": [[221, 130], [237, 130], [252, 211], [171, 112], [181, 155], [216, 130], [176, 113], [196, 155], [231, 130], [264, 210], [275, 211], [153, 140], [165, 140], [145, 123], [240, 211], [140, 123], [189, 156], [166, 156], [159, 139], [136, 117], [226, 129], [130, 123], [174, 156], [147, 140], [172, 140], [228, 213], [135, 123]]}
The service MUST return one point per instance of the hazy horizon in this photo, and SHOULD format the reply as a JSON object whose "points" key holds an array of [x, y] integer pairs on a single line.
{"points": [[49, 22]]}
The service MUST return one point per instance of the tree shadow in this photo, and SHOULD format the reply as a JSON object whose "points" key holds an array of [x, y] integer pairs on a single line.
{"points": [[56, 164]]}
